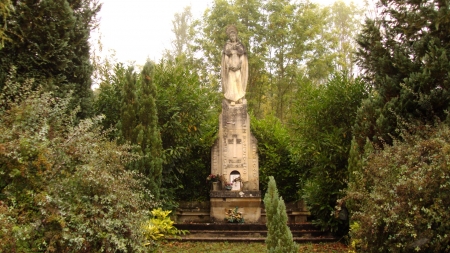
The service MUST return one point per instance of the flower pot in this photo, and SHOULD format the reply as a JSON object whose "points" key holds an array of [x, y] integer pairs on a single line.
{"points": [[228, 187], [215, 186]]}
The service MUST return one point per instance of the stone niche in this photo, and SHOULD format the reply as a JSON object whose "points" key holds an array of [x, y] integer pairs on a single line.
{"points": [[234, 154]]}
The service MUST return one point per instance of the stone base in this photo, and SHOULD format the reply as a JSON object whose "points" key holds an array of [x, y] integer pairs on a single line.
{"points": [[297, 212], [193, 212], [249, 205]]}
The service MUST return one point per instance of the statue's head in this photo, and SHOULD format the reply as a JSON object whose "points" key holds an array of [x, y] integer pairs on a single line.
{"points": [[232, 32]]}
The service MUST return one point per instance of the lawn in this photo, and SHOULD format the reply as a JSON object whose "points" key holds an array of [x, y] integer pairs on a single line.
{"points": [[242, 247]]}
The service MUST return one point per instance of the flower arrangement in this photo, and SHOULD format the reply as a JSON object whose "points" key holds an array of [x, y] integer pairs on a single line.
{"points": [[238, 179], [227, 185], [233, 216], [213, 178]]}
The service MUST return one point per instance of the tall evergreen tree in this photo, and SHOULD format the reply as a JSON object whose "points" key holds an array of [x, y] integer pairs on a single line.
{"points": [[404, 53], [147, 131], [128, 119], [138, 121], [48, 41], [279, 237]]}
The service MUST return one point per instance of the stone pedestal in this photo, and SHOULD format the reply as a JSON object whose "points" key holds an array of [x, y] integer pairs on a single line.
{"points": [[249, 205], [234, 154], [236, 148]]}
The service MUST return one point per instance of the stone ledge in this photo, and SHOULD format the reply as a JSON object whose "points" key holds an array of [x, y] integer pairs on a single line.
{"points": [[235, 194]]}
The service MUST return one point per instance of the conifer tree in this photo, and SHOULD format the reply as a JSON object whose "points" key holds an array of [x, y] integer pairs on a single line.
{"points": [[129, 101], [147, 132], [279, 237], [139, 125], [48, 41], [405, 55]]}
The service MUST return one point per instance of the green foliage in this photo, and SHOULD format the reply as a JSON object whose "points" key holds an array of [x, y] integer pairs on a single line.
{"points": [[279, 237], [108, 100], [48, 41], [233, 216], [275, 158], [188, 121], [146, 132], [404, 53], [63, 185], [400, 198], [322, 136], [5, 12], [159, 227], [128, 102]]}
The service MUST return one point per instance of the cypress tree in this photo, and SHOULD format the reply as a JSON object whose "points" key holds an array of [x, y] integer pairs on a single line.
{"points": [[147, 131], [139, 125], [128, 121], [279, 237], [405, 55], [48, 41]]}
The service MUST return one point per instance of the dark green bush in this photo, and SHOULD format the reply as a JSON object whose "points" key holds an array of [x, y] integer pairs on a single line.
{"points": [[400, 197], [322, 134], [274, 151]]}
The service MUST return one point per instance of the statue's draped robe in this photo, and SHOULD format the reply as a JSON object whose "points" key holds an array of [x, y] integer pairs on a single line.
{"points": [[234, 71]]}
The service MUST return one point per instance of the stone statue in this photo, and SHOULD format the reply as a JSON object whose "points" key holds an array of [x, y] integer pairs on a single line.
{"points": [[234, 67]]}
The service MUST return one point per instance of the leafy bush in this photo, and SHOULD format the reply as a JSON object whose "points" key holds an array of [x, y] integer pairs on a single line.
{"points": [[187, 122], [322, 137], [159, 226], [63, 186], [275, 159], [279, 237], [400, 198]]}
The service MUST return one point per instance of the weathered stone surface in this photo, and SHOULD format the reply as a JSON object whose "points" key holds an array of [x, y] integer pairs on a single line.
{"points": [[249, 207], [234, 70], [236, 148], [235, 154]]}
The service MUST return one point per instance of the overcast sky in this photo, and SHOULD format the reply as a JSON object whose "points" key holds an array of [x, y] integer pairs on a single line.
{"points": [[141, 29]]}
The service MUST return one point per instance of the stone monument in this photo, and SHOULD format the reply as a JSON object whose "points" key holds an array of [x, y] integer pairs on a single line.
{"points": [[234, 153]]}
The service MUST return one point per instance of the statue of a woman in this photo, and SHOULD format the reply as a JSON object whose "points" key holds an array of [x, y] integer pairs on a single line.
{"points": [[234, 67]]}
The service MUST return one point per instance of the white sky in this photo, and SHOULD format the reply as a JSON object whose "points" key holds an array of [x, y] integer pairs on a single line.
{"points": [[141, 29]]}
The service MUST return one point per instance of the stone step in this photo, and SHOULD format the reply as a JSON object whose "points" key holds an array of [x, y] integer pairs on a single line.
{"points": [[237, 226], [305, 232], [221, 233], [251, 239]]}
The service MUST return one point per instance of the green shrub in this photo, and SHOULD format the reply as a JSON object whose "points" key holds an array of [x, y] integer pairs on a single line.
{"points": [[400, 199], [159, 227], [63, 185], [275, 158], [322, 135], [279, 237]]}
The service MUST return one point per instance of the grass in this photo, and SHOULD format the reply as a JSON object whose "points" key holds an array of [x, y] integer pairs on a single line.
{"points": [[242, 247]]}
